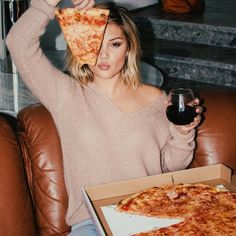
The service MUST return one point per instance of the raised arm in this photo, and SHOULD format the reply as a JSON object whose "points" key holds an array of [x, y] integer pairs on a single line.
{"points": [[46, 82]]}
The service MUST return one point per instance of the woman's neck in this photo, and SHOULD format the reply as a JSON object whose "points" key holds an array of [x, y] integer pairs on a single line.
{"points": [[110, 86]]}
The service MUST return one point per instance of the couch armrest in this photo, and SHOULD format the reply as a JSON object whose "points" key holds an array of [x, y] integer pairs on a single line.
{"points": [[43, 160], [16, 213]]}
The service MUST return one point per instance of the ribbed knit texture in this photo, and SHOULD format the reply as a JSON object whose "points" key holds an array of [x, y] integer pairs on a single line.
{"points": [[99, 142]]}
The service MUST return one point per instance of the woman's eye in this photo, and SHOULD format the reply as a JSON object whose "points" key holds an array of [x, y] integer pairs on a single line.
{"points": [[116, 44]]}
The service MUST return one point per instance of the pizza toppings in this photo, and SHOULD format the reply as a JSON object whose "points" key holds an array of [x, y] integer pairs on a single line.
{"points": [[203, 209], [83, 30], [172, 194]]}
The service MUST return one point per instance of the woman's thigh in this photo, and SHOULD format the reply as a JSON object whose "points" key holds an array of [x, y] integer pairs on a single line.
{"points": [[85, 228]]}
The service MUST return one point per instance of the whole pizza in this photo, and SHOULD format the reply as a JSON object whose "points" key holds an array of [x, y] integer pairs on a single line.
{"points": [[202, 209]]}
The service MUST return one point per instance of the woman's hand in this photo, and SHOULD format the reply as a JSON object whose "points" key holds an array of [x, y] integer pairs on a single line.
{"points": [[53, 2], [79, 4], [83, 4], [184, 129]]}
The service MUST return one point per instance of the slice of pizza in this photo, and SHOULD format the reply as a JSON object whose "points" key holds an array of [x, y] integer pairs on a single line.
{"points": [[83, 30], [168, 201]]}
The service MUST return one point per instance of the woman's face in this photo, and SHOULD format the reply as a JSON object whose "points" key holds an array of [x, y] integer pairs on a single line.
{"points": [[112, 56]]}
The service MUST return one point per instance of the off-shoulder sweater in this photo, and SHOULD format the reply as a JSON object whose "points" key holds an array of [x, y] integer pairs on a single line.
{"points": [[100, 143]]}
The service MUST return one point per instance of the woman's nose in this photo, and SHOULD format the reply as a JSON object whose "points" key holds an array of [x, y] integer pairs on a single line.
{"points": [[103, 54]]}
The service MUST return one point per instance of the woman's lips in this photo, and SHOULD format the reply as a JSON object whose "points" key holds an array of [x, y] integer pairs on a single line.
{"points": [[104, 66]]}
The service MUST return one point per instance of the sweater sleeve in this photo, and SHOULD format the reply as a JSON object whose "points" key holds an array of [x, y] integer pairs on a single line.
{"points": [[50, 85], [178, 150]]}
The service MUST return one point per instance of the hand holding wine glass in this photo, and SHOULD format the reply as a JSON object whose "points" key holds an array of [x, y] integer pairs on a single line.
{"points": [[183, 109]]}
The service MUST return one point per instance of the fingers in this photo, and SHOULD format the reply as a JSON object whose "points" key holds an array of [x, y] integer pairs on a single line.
{"points": [[199, 109], [196, 121], [196, 101], [184, 129], [83, 4]]}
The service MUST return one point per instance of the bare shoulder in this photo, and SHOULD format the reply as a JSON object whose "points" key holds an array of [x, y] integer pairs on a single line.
{"points": [[150, 93]]}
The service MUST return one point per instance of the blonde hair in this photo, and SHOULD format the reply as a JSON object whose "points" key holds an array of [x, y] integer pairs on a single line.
{"points": [[130, 73]]}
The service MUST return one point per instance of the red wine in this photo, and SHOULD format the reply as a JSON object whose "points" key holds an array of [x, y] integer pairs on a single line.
{"points": [[178, 117]]}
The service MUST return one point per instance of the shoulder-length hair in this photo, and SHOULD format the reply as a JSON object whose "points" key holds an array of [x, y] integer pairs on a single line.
{"points": [[130, 73]]}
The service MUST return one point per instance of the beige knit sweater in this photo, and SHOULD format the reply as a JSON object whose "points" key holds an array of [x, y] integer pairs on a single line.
{"points": [[100, 143]]}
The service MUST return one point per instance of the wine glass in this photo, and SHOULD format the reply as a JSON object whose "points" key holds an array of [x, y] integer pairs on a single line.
{"points": [[180, 109]]}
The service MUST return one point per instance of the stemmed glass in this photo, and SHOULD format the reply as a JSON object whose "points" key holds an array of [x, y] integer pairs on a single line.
{"points": [[181, 109]]}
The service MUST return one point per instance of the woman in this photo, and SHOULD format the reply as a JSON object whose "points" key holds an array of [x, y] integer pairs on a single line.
{"points": [[111, 126]]}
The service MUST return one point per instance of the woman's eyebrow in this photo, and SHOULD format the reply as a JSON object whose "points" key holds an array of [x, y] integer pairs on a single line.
{"points": [[112, 39]]}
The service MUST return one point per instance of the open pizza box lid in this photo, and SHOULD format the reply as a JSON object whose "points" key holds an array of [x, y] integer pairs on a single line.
{"points": [[101, 199]]}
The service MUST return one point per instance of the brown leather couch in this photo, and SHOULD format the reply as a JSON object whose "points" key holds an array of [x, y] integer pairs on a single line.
{"points": [[33, 198]]}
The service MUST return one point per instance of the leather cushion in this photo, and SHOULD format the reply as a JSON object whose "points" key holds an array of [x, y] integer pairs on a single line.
{"points": [[217, 134], [16, 213], [43, 157]]}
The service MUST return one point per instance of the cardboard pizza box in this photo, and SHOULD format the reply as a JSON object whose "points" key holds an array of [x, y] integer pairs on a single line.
{"points": [[101, 199]]}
